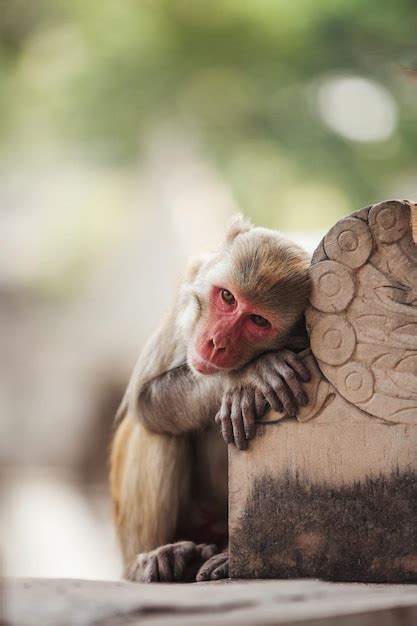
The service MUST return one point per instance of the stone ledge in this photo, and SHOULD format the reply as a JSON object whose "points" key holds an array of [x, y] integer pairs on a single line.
{"points": [[56, 602]]}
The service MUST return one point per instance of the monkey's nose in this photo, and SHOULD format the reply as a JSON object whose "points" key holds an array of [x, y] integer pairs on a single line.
{"points": [[217, 345]]}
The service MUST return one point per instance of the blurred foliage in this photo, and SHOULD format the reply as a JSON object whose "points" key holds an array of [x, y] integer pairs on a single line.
{"points": [[239, 75]]}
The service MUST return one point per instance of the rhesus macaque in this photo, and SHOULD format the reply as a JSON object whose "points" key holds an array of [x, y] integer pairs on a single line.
{"points": [[220, 359]]}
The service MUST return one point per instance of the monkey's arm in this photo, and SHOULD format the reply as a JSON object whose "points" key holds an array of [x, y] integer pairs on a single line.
{"points": [[178, 401], [163, 393]]}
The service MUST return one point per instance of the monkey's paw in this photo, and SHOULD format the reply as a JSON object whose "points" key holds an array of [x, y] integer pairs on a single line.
{"points": [[279, 376], [272, 380], [215, 568], [174, 562], [240, 407]]}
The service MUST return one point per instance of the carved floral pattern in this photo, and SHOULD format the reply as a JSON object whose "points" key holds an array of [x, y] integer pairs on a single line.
{"points": [[362, 316]]}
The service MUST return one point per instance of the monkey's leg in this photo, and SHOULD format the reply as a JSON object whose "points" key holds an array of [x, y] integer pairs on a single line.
{"points": [[150, 479]]}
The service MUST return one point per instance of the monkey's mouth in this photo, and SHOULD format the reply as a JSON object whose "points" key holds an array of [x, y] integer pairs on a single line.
{"points": [[202, 366]]}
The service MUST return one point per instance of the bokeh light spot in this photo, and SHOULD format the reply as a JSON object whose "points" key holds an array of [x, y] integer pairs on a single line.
{"points": [[357, 108]]}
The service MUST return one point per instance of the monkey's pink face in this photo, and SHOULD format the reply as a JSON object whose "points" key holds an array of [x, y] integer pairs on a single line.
{"points": [[233, 332]]}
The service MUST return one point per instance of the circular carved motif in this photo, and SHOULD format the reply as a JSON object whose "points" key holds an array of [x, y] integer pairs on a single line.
{"points": [[389, 221], [349, 242], [332, 340], [332, 286], [355, 382]]}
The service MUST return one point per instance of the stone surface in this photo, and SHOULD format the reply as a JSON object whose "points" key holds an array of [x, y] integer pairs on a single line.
{"points": [[42, 602], [334, 494], [363, 315]]}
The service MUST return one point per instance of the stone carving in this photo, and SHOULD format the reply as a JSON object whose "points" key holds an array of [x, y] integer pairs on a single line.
{"points": [[334, 494], [362, 316]]}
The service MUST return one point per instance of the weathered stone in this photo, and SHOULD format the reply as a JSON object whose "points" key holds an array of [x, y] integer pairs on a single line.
{"points": [[42, 602], [334, 494]]}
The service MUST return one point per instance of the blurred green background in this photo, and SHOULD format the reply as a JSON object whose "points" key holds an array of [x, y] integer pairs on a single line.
{"points": [[129, 132], [307, 109]]}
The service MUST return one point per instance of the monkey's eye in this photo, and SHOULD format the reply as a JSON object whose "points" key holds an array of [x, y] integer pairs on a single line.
{"points": [[228, 297], [259, 321]]}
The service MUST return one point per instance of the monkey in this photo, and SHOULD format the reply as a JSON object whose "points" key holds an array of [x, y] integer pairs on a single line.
{"points": [[225, 353]]}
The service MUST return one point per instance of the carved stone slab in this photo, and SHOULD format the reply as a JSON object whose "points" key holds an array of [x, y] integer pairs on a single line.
{"points": [[334, 494], [363, 314]]}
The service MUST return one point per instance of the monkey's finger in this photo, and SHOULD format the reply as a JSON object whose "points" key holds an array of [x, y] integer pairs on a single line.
{"points": [[205, 571], [137, 571], [184, 552], [285, 396], [236, 417], [297, 365], [272, 397], [225, 408], [239, 434], [226, 429], [164, 567], [151, 573], [181, 561], [261, 404], [207, 551], [222, 571], [291, 379], [249, 415], [179, 567], [189, 549]]}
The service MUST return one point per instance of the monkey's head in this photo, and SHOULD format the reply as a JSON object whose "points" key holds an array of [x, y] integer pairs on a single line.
{"points": [[248, 296]]}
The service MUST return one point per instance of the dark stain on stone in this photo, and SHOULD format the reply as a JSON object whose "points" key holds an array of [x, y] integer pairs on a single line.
{"points": [[364, 532]]}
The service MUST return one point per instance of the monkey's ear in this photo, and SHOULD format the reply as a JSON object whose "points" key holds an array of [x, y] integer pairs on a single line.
{"points": [[238, 225], [193, 266]]}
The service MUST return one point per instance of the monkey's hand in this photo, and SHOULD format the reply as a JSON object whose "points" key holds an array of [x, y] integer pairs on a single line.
{"points": [[272, 380], [279, 376], [241, 406]]}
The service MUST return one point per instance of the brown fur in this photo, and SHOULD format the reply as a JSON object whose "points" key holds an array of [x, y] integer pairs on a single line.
{"points": [[150, 474], [270, 272]]}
